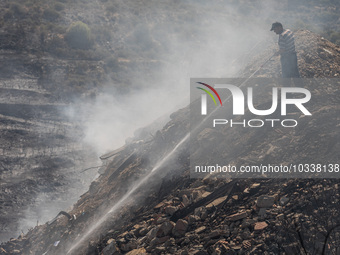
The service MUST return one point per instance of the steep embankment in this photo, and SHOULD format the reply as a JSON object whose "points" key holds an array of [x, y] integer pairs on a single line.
{"points": [[145, 202]]}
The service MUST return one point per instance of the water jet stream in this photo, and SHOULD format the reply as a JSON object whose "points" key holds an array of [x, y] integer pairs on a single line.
{"points": [[121, 201]]}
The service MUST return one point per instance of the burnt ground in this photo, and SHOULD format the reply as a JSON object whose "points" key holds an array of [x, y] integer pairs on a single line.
{"points": [[40, 152], [171, 213]]}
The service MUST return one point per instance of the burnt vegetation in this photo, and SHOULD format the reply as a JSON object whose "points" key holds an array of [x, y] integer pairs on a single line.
{"points": [[113, 35], [58, 50]]}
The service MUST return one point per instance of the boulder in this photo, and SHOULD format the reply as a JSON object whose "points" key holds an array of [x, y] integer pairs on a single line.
{"points": [[180, 228], [170, 210], [165, 229]]}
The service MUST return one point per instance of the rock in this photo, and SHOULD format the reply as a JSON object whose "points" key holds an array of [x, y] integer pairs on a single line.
{"points": [[170, 210], [137, 226], [142, 240], [263, 212], [110, 241], [246, 234], [265, 201], [129, 236], [180, 228], [255, 186], [141, 232], [205, 194], [201, 212], [131, 245], [185, 200], [140, 251], [260, 226], [152, 233], [237, 216], [165, 229], [247, 223], [284, 200], [120, 240], [214, 234], [192, 236], [192, 219], [209, 242], [158, 240], [159, 206], [217, 202], [200, 230], [160, 220], [170, 242], [111, 249], [196, 195], [280, 216]]}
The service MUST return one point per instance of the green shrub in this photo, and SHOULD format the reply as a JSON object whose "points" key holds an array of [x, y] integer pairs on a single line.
{"points": [[78, 36]]}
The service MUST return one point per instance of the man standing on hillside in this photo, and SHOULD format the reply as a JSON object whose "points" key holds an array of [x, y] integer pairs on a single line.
{"points": [[287, 51]]}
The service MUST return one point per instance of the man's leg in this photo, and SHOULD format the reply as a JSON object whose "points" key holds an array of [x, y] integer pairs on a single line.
{"points": [[294, 66], [285, 67]]}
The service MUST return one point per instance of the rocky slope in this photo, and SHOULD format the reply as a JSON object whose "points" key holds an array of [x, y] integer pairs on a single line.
{"points": [[144, 201]]}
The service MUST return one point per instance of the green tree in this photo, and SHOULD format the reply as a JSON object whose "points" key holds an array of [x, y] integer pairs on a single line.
{"points": [[78, 36]]}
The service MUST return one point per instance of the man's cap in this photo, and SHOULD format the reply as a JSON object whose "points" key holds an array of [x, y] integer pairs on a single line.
{"points": [[276, 24]]}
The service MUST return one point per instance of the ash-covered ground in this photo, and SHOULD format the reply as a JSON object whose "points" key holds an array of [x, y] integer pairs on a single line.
{"points": [[144, 201]]}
